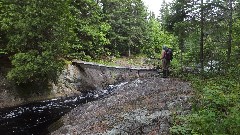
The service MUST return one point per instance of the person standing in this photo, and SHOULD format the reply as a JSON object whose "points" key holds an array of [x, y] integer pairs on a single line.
{"points": [[166, 57]]}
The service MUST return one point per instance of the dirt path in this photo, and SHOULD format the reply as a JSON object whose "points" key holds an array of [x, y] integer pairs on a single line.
{"points": [[143, 106]]}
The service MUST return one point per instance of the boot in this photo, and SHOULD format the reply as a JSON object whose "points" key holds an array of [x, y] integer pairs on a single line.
{"points": [[168, 73], [164, 73]]}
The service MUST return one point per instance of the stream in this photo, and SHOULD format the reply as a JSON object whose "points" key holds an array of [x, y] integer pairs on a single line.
{"points": [[36, 117]]}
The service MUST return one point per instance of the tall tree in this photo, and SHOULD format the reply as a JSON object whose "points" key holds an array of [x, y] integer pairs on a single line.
{"points": [[201, 37], [90, 29], [157, 37], [175, 19], [236, 32], [164, 13], [37, 33], [127, 19], [205, 19], [230, 23]]}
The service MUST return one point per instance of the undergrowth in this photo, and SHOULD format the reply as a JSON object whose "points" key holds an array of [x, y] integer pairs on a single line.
{"points": [[215, 107]]}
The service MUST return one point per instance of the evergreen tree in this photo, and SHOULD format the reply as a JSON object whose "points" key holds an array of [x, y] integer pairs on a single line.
{"points": [[90, 29], [127, 19], [156, 38], [201, 27], [37, 35], [164, 13]]}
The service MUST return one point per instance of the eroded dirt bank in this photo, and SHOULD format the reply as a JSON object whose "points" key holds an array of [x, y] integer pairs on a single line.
{"points": [[142, 106]]}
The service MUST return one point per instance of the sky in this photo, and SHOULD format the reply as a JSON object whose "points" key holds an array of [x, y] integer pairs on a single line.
{"points": [[155, 5]]}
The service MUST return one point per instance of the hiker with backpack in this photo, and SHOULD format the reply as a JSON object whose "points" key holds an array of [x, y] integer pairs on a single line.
{"points": [[166, 57]]}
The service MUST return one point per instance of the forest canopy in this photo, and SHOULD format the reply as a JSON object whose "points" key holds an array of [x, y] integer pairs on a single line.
{"points": [[39, 36]]}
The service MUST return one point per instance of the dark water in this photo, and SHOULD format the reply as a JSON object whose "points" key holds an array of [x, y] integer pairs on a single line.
{"points": [[35, 118]]}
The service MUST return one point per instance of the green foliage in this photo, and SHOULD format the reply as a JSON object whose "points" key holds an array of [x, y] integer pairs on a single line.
{"points": [[127, 19], [31, 67], [38, 35], [90, 29], [216, 107], [2, 51], [183, 19], [156, 38]]}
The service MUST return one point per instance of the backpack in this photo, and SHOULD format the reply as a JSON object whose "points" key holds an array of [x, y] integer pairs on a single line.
{"points": [[168, 55]]}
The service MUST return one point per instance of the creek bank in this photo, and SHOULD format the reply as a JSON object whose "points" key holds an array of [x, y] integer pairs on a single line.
{"points": [[143, 106], [78, 77]]}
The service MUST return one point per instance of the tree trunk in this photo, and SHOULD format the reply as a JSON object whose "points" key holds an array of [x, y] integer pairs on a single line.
{"points": [[201, 38], [129, 50], [230, 32]]}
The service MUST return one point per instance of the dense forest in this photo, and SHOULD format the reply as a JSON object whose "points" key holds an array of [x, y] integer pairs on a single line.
{"points": [[39, 37]]}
